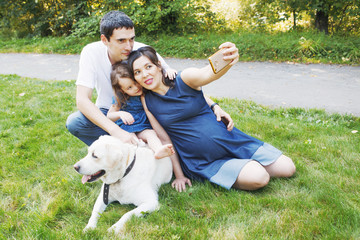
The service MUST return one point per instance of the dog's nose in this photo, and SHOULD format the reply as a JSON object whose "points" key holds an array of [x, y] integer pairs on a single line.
{"points": [[77, 168]]}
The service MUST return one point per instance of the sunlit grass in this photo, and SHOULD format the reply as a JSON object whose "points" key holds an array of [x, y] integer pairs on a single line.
{"points": [[41, 196], [303, 47]]}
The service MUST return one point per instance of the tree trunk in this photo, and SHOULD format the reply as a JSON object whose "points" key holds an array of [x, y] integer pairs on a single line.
{"points": [[322, 21]]}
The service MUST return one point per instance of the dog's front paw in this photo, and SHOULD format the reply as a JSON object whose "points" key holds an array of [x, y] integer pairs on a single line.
{"points": [[89, 227], [115, 229]]}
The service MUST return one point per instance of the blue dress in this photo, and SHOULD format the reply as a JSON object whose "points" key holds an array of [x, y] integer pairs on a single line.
{"points": [[135, 108], [205, 147]]}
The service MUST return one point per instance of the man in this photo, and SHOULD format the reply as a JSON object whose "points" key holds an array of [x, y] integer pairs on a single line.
{"points": [[96, 59]]}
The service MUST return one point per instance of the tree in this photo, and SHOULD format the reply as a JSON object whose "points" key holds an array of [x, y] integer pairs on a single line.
{"points": [[327, 11], [294, 7]]}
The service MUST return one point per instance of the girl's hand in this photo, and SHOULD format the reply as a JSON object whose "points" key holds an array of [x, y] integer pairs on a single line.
{"points": [[126, 117], [180, 184], [170, 73]]}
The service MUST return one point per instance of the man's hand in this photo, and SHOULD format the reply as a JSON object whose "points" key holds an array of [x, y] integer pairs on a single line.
{"points": [[124, 136], [221, 115], [170, 73], [180, 184]]}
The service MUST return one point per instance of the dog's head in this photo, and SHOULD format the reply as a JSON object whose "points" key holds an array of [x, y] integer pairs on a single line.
{"points": [[106, 160]]}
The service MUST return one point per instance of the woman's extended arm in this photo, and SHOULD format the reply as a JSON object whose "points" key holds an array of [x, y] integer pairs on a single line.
{"points": [[196, 78], [180, 182]]}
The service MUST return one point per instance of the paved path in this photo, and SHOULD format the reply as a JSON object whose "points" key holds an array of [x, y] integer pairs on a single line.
{"points": [[334, 88]]}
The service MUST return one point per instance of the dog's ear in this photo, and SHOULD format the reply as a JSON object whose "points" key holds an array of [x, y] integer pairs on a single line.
{"points": [[115, 154]]}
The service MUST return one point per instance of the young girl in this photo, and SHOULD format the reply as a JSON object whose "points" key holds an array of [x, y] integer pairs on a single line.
{"points": [[128, 112]]}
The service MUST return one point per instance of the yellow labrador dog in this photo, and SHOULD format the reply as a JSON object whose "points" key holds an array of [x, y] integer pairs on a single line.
{"points": [[131, 175]]}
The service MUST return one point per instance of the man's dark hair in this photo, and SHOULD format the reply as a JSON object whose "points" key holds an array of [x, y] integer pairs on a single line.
{"points": [[114, 20]]}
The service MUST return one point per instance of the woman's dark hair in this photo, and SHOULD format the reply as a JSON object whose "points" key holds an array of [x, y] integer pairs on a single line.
{"points": [[114, 20], [150, 53], [120, 70]]}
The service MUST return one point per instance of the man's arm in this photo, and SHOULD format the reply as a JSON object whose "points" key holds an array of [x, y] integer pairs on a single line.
{"points": [[93, 113]]}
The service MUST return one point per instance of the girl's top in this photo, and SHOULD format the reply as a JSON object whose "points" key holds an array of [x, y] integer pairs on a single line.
{"points": [[135, 108]]}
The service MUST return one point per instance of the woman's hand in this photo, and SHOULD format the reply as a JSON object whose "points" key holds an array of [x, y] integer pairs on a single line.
{"points": [[221, 115], [180, 184], [170, 73], [126, 117], [231, 52]]}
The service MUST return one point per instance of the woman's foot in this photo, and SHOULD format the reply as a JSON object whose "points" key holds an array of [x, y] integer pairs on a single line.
{"points": [[165, 151]]}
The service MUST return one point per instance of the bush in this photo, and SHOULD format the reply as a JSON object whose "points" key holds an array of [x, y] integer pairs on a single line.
{"points": [[87, 27], [41, 17], [81, 18], [174, 17]]}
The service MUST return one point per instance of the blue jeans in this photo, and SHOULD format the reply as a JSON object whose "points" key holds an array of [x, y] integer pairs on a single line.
{"points": [[82, 128]]}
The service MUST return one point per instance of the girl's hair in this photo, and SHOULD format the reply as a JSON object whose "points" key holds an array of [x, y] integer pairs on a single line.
{"points": [[120, 70], [150, 53]]}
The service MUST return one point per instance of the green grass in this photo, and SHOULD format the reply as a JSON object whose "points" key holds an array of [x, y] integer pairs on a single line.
{"points": [[304, 47], [41, 196]]}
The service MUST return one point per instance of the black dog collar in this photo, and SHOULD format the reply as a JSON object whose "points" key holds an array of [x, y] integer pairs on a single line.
{"points": [[107, 186]]}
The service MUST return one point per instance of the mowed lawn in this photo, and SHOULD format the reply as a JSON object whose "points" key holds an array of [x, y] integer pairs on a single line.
{"points": [[42, 197]]}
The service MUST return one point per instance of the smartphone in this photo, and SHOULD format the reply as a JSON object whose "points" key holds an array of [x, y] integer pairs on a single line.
{"points": [[217, 62]]}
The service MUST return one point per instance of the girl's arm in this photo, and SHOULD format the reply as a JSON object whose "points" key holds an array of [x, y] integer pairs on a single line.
{"points": [[196, 78], [180, 182], [114, 114]]}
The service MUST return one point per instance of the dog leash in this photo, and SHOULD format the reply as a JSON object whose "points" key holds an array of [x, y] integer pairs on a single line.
{"points": [[107, 186]]}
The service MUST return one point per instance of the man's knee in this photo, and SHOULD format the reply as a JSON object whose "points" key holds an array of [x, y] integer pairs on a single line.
{"points": [[71, 123]]}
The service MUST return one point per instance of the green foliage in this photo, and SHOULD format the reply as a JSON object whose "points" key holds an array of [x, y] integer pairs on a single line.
{"points": [[86, 27], [343, 15], [338, 16], [81, 18], [41, 17], [41, 196], [175, 17]]}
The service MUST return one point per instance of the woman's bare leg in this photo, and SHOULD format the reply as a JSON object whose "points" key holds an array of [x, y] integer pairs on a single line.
{"points": [[160, 150], [253, 176], [282, 167]]}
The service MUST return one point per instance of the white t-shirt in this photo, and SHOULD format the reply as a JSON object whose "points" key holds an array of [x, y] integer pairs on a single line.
{"points": [[95, 69]]}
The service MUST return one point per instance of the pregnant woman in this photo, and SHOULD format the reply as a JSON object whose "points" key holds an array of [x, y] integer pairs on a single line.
{"points": [[207, 149]]}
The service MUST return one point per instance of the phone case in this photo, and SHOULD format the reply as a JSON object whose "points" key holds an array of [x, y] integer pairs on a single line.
{"points": [[217, 62]]}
